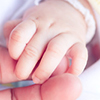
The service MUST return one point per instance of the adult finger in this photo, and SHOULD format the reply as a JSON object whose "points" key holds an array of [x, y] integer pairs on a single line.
{"points": [[8, 27], [20, 36], [5, 95], [54, 53], [54, 88], [62, 67], [27, 93], [7, 66], [79, 56]]}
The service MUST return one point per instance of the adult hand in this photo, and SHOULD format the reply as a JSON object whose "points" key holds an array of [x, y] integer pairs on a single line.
{"points": [[58, 87]]}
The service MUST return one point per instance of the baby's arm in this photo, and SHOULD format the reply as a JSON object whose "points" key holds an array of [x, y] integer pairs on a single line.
{"points": [[49, 32]]}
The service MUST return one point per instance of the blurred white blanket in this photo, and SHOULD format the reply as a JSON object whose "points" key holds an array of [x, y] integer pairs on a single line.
{"points": [[91, 83], [12, 9], [90, 78]]}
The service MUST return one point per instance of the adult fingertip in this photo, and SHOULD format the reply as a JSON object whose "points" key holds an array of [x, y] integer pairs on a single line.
{"points": [[56, 89]]}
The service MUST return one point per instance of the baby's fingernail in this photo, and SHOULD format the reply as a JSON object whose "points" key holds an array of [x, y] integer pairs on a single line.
{"points": [[36, 80]]}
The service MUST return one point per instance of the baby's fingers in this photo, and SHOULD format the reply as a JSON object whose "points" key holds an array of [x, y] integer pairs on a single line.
{"points": [[20, 36], [52, 57], [79, 55]]}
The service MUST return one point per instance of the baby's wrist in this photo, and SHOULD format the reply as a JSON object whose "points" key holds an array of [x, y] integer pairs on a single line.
{"points": [[83, 7], [86, 4]]}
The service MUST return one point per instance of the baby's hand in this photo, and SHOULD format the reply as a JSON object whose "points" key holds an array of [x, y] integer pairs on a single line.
{"points": [[47, 33]]}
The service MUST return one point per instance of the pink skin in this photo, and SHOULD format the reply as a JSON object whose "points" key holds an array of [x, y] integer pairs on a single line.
{"points": [[58, 87], [45, 32]]}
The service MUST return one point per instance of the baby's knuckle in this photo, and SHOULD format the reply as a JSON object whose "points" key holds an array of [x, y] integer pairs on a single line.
{"points": [[31, 51], [77, 71], [16, 37], [54, 48], [43, 75]]}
